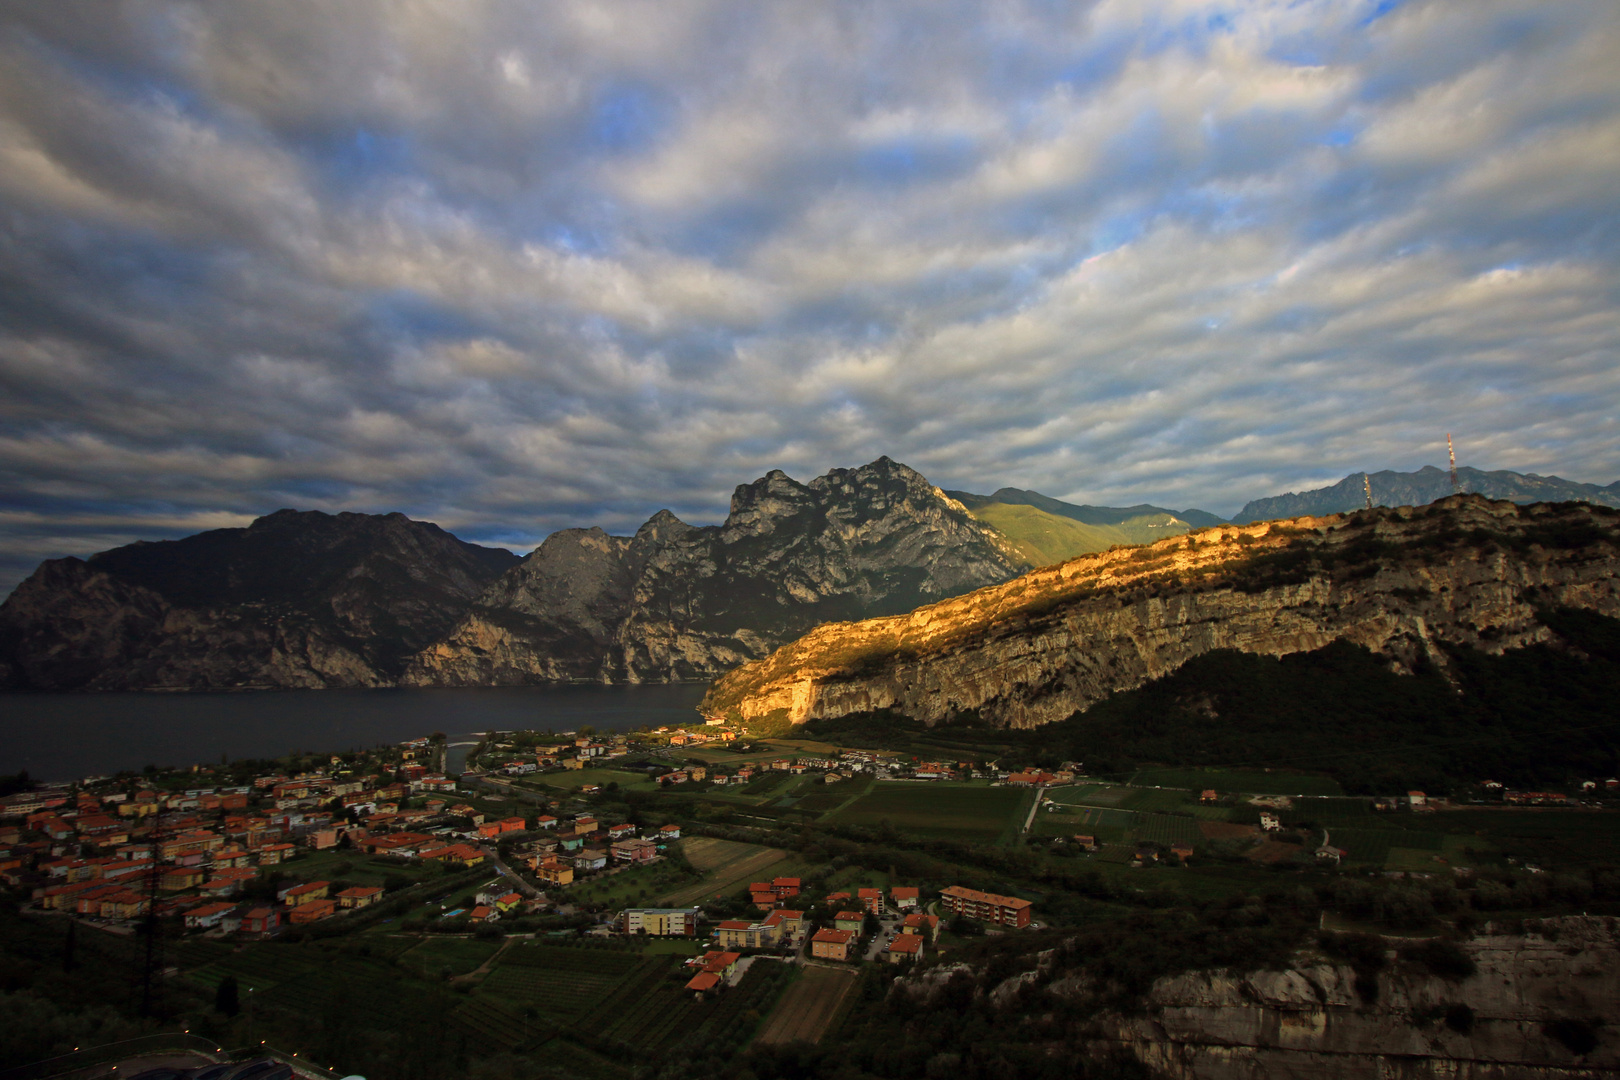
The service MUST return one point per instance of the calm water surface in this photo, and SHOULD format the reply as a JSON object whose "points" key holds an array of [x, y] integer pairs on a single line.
{"points": [[66, 736]]}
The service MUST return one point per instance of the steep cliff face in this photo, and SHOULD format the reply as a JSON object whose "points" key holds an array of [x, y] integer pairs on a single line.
{"points": [[294, 600], [678, 602], [1310, 1022], [1051, 643]]}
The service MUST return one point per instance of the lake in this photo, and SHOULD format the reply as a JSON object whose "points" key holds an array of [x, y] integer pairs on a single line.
{"points": [[66, 736]]}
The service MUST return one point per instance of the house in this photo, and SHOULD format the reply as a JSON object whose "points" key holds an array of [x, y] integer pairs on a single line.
{"points": [[182, 878], [904, 949], [785, 887], [513, 824], [669, 832], [661, 922], [460, 854], [703, 981], [714, 969], [851, 921], [489, 830], [760, 894], [741, 934], [590, 859], [831, 944], [206, 917], [921, 925], [871, 900], [987, 907], [635, 851], [1085, 841], [1182, 851], [1209, 795], [545, 821], [1030, 779], [271, 854], [620, 831], [1269, 822], [261, 921], [1415, 799], [554, 871], [299, 895], [359, 896], [483, 913], [1330, 855], [784, 924], [314, 911], [905, 897]]}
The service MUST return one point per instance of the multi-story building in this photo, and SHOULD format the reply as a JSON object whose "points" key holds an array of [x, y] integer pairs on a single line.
{"points": [[986, 907]]}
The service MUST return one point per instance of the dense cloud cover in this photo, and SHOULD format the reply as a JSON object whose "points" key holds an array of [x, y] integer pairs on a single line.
{"points": [[518, 266]]}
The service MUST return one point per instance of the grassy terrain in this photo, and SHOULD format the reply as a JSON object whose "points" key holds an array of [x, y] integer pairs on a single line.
{"points": [[574, 779], [807, 1009], [1245, 781], [1043, 538], [954, 811], [726, 865]]}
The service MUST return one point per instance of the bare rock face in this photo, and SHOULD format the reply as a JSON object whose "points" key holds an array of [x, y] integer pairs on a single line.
{"points": [[1053, 642], [1309, 1022], [677, 602], [294, 600]]}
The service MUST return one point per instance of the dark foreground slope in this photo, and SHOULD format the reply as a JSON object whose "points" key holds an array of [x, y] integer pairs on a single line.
{"points": [[1401, 583], [682, 602], [297, 599]]}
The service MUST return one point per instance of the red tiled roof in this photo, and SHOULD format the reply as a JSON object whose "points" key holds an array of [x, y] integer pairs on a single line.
{"points": [[835, 937]]}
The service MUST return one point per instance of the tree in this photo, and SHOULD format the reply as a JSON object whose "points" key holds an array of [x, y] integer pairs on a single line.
{"points": [[227, 996]]}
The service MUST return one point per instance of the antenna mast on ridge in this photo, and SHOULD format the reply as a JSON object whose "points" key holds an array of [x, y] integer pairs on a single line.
{"points": [[1366, 485], [1456, 488]]}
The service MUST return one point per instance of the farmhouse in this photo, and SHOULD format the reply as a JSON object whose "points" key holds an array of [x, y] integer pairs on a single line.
{"points": [[904, 897], [359, 896]]}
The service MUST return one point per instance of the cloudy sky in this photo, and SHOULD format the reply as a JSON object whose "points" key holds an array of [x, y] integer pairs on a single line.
{"points": [[519, 266]]}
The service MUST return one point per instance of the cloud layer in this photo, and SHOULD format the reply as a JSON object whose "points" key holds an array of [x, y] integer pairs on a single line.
{"points": [[519, 266]]}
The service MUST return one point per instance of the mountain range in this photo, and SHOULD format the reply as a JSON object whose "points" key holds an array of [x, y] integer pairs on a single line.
{"points": [[307, 599]]}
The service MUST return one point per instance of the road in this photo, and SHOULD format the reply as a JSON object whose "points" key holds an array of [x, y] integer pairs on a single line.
{"points": [[1039, 793], [507, 872]]}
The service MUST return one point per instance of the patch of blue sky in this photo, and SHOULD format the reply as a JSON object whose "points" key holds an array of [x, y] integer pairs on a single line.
{"points": [[1340, 135], [901, 161], [627, 117], [355, 157], [1380, 8], [410, 315]]}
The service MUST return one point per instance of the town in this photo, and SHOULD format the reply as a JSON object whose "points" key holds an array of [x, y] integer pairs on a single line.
{"points": [[618, 894]]}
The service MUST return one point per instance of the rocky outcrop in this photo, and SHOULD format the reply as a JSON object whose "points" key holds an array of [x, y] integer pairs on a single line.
{"points": [[293, 600], [1523, 1015], [1051, 643], [682, 602]]}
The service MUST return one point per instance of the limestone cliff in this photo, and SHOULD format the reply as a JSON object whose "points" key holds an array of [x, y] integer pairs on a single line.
{"points": [[293, 600], [1052, 642], [681, 602], [1311, 1023]]}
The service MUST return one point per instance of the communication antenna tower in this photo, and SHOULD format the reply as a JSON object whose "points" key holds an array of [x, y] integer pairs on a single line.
{"points": [[1456, 488], [1366, 485]]}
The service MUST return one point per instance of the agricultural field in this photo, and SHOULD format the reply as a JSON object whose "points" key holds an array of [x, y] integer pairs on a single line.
{"points": [[574, 779], [556, 981], [458, 956], [1247, 782], [727, 866], [945, 810], [807, 1009], [629, 885]]}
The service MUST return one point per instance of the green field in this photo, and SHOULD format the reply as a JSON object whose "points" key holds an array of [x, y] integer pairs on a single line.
{"points": [[435, 956], [1247, 782], [944, 810], [574, 779]]}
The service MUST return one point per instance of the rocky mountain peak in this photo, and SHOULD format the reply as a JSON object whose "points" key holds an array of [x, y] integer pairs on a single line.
{"points": [[684, 602]]}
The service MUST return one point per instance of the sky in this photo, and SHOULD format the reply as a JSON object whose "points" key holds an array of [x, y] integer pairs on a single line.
{"points": [[514, 267]]}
